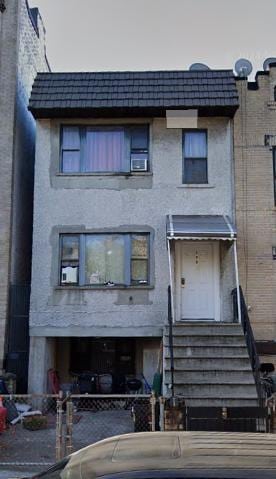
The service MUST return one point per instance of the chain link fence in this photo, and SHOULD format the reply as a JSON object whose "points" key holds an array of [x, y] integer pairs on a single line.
{"points": [[91, 418], [30, 434], [41, 429]]}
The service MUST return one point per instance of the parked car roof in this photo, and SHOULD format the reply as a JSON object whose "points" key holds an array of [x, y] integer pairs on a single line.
{"points": [[209, 454], [129, 93]]}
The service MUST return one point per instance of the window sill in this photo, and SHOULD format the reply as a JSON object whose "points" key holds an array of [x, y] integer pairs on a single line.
{"points": [[196, 185], [124, 175], [101, 288]]}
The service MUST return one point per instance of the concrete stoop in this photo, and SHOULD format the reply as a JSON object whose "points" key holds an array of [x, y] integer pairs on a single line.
{"points": [[212, 366]]}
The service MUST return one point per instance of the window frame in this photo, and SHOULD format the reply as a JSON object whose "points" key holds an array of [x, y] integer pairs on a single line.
{"points": [[127, 260], [83, 128], [194, 130]]}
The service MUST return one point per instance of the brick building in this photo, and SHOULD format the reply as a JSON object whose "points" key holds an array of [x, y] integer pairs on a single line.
{"points": [[255, 161], [22, 55]]}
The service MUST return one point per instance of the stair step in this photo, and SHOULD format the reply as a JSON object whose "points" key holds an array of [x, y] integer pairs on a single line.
{"points": [[216, 390], [211, 352], [186, 329], [202, 363], [196, 340], [210, 377]]}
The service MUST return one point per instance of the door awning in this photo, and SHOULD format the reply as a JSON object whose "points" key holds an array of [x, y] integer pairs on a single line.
{"points": [[200, 227]]}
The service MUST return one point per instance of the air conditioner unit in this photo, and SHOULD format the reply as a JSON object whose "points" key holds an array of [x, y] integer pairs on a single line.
{"points": [[139, 164], [69, 275]]}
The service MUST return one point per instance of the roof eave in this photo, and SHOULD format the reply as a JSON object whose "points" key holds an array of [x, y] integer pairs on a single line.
{"points": [[127, 112]]}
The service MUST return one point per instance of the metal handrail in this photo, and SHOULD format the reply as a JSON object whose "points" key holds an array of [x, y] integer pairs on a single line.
{"points": [[250, 341], [170, 321]]}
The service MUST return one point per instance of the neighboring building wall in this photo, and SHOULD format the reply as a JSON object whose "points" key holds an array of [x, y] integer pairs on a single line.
{"points": [[91, 203], [255, 206], [22, 54], [8, 56]]}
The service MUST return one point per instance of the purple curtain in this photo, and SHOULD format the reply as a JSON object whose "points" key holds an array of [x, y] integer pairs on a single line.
{"points": [[104, 151]]}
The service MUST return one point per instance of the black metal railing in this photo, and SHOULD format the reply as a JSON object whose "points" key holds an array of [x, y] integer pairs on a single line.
{"points": [[170, 321], [250, 341]]}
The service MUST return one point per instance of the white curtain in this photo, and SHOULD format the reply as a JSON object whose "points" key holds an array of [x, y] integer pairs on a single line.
{"points": [[195, 144]]}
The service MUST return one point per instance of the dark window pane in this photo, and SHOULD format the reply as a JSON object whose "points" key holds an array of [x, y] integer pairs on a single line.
{"points": [[139, 138], [139, 271], [195, 170], [104, 256], [70, 161], [195, 144], [71, 138], [104, 151], [70, 247]]}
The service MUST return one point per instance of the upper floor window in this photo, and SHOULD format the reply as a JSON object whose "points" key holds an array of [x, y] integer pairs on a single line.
{"points": [[104, 259], [89, 149], [195, 157]]}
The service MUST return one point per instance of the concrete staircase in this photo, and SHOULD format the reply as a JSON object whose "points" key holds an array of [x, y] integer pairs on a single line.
{"points": [[212, 366]]}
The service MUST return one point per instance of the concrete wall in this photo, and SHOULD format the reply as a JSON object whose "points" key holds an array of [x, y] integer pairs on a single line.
{"points": [[256, 212], [22, 54], [127, 204]]}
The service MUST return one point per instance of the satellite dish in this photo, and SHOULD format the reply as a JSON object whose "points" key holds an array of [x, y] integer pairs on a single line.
{"points": [[267, 63], [198, 66], [243, 67]]}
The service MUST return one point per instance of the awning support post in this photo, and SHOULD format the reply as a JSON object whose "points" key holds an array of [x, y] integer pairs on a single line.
{"points": [[237, 281], [171, 278]]}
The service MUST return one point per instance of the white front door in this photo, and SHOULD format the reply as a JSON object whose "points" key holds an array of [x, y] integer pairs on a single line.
{"points": [[199, 281]]}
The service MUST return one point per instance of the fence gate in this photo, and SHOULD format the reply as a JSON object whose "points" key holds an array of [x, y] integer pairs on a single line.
{"points": [[91, 418]]}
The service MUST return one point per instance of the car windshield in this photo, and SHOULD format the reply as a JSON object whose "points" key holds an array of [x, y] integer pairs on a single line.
{"points": [[53, 472]]}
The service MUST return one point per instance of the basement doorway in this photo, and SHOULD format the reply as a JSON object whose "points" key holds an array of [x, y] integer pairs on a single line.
{"points": [[109, 359]]}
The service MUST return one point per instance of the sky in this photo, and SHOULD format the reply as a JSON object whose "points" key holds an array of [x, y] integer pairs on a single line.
{"points": [[95, 35]]}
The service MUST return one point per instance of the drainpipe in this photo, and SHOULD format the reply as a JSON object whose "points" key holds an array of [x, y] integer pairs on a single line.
{"points": [[171, 278], [237, 280]]}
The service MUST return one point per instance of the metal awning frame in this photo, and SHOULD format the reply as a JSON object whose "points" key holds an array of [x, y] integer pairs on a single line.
{"points": [[210, 238]]}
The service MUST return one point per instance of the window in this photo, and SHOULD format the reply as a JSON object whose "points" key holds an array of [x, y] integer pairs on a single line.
{"points": [[104, 259], [86, 149], [195, 157]]}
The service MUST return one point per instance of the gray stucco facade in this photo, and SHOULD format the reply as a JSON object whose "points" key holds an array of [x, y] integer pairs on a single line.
{"points": [[118, 203]]}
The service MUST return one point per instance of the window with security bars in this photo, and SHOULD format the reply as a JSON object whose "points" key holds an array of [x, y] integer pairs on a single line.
{"points": [[195, 168], [105, 259]]}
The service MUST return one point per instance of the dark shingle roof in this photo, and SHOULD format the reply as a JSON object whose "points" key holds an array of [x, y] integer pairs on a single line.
{"points": [[155, 90]]}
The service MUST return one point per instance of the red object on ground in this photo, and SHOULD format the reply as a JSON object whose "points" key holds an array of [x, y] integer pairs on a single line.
{"points": [[53, 381], [3, 416]]}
